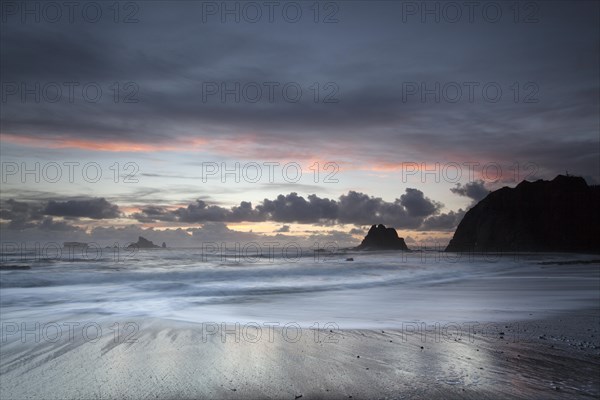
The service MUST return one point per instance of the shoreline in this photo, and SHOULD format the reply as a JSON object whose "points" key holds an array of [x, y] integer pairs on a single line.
{"points": [[173, 359]]}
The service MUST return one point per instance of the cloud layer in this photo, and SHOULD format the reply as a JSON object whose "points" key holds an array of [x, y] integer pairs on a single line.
{"points": [[369, 56], [411, 210], [408, 211]]}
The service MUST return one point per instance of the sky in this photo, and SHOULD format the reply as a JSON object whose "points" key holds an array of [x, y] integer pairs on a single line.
{"points": [[194, 121]]}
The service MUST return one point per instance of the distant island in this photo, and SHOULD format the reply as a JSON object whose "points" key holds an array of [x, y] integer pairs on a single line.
{"points": [[75, 245], [561, 215], [381, 238], [144, 243]]}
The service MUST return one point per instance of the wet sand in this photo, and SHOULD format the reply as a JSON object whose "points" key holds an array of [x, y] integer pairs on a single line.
{"points": [[547, 357]]}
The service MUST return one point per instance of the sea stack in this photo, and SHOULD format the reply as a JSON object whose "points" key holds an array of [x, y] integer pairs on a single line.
{"points": [[143, 243], [561, 215], [382, 238]]}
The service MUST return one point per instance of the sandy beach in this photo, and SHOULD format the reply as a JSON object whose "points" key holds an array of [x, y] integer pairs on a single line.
{"points": [[546, 358]]}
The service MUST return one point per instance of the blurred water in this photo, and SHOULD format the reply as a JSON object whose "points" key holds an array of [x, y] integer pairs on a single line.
{"points": [[379, 289]]}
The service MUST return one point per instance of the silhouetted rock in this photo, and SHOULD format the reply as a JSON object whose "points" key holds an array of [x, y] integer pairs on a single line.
{"points": [[164, 245], [144, 243], [382, 238], [75, 245], [561, 215]]}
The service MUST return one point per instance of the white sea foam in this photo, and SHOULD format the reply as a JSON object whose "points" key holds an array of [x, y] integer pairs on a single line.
{"points": [[382, 289]]}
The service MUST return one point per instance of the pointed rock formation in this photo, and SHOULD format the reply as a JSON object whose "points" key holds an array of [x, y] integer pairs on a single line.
{"points": [[143, 243], [382, 238]]}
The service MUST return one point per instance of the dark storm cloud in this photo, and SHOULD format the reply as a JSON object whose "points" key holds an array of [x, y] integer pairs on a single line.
{"points": [[31, 215], [443, 222], [417, 205], [152, 214], [408, 211], [356, 231], [283, 229], [96, 208], [21, 215], [361, 208], [48, 224], [474, 190], [294, 208], [200, 211], [369, 54]]}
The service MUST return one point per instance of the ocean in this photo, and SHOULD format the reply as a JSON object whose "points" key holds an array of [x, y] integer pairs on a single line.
{"points": [[376, 290]]}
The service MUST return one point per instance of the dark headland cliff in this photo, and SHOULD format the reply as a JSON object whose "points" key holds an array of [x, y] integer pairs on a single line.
{"points": [[561, 215]]}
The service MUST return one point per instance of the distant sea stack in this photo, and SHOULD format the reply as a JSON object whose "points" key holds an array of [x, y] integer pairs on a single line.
{"points": [[75, 245], [144, 243], [561, 215], [382, 238]]}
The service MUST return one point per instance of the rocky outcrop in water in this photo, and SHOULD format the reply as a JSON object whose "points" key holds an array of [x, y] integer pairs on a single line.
{"points": [[382, 238], [561, 215], [144, 243]]}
